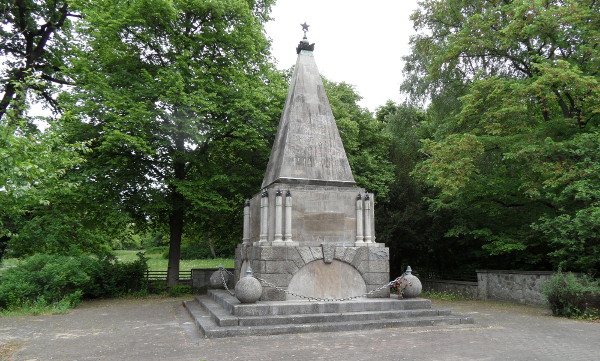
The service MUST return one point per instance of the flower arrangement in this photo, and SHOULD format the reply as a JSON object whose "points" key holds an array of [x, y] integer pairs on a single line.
{"points": [[400, 286]]}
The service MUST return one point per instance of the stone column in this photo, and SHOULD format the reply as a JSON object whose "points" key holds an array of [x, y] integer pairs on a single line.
{"points": [[367, 225], [264, 216], [288, 217], [246, 233], [359, 220], [278, 217]]}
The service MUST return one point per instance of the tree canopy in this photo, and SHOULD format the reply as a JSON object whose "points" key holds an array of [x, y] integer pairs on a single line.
{"points": [[34, 41], [178, 103], [515, 159], [165, 111]]}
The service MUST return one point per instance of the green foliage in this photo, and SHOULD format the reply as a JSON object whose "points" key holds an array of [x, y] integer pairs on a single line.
{"points": [[204, 249], [157, 261], [150, 240], [573, 296], [38, 307], [157, 250], [32, 173], [179, 105], [35, 40], [110, 278], [509, 141], [130, 239], [178, 291], [60, 282], [446, 296], [365, 141], [404, 223], [43, 279]]}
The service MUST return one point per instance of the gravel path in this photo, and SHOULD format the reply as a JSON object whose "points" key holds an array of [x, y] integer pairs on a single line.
{"points": [[160, 329]]}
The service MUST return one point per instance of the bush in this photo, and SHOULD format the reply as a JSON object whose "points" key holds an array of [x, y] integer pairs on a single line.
{"points": [[111, 278], [157, 250], [202, 250], [573, 296], [52, 280], [195, 251], [44, 279], [179, 291], [154, 240]]}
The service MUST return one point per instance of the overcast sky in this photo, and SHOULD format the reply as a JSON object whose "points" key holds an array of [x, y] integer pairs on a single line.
{"points": [[358, 42]]}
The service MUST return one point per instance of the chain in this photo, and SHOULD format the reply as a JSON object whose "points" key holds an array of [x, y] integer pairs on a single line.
{"points": [[223, 279], [310, 298], [327, 299]]}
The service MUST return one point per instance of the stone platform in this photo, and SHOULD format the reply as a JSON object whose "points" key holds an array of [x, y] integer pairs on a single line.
{"points": [[219, 314], [322, 270]]}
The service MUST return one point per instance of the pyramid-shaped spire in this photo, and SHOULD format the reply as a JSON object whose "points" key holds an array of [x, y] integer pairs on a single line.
{"points": [[307, 148]]}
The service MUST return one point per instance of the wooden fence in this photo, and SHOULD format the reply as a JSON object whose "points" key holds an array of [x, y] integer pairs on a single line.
{"points": [[185, 277]]}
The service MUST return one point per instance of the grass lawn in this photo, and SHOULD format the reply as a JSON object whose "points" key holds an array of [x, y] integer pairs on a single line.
{"points": [[156, 262]]}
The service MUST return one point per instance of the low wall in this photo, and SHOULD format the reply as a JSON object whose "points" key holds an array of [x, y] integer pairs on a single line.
{"points": [[523, 287], [201, 278], [464, 288]]}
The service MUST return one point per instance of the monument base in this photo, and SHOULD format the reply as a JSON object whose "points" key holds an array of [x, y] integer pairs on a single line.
{"points": [[318, 271], [219, 314]]}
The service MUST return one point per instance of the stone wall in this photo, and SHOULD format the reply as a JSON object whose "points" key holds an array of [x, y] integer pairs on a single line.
{"points": [[201, 278], [464, 288], [523, 287]]}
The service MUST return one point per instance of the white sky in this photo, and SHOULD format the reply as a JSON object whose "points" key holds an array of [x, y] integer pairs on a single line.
{"points": [[360, 42], [356, 41]]}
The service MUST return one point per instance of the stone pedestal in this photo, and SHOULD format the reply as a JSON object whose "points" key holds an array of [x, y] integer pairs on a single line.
{"points": [[316, 271]]}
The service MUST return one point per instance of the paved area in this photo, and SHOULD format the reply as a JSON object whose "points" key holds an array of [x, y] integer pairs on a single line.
{"points": [[159, 329]]}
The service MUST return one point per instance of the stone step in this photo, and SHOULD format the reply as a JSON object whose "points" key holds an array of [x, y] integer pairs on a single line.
{"points": [[218, 314], [223, 318], [211, 329], [338, 317], [234, 307]]}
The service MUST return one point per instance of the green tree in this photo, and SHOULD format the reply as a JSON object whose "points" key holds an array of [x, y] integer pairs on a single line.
{"points": [[33, 165], [35, 36], [404, 223], [365, 140], [179, 102], [513, 160]]}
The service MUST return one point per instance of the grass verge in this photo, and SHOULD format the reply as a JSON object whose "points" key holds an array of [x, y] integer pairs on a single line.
{"points": [[156, 262], [443, 296]]}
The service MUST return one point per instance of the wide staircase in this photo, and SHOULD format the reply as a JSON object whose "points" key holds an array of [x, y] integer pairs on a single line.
{"points": [[218, 314]]}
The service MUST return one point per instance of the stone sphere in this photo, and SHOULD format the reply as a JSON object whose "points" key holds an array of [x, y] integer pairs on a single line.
{"points": [[414, 287], [248, 290], [216, 282]]}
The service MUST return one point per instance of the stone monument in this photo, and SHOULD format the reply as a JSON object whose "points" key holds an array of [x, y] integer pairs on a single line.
{"points": [[310, 230]]}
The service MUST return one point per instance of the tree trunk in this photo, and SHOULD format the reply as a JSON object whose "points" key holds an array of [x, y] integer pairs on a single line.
{"points": [[175, 233], [212, 249], [176, 220]]}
